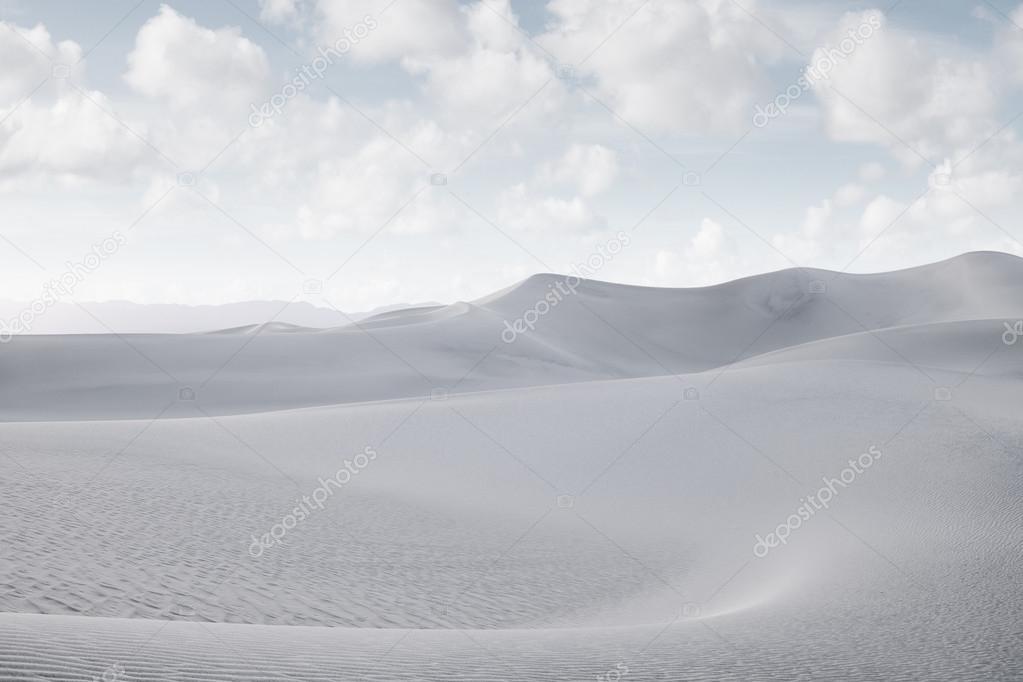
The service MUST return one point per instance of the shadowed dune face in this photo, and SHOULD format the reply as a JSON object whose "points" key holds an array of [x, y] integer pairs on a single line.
{"points": [[823, 479]]}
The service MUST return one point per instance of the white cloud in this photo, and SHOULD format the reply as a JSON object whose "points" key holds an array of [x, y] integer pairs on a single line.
{"points": [[1009, 45], [926, 228], [361, 188], [196, 68], [896, 91], [483, 86], [817, 234], [198, 85], [70, 139], [710, 257], [591, 168], [474, 66], [477, 67], [878, 215], [560, 195], [278, 11], [443, 76], [522, 207], [675, 67], [60, 131], [408, 31], [28, 57], [916, 97], [493, 26]]}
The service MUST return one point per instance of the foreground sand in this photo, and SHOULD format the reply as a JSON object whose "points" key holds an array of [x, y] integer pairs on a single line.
{"points": [[572, 512]]}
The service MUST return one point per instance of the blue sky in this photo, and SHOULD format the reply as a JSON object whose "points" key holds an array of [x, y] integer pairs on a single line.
{"points": [[557, 126]]}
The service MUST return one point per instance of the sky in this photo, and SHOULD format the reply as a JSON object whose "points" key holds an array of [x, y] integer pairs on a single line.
{"points": [[374, 152]]}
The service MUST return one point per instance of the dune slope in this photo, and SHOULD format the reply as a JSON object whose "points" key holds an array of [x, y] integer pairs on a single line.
{"points": [[581, 506], [595, 331]]}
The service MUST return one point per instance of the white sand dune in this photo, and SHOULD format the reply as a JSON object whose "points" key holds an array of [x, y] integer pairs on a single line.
{"points": [[579, 504], [602, 331]]}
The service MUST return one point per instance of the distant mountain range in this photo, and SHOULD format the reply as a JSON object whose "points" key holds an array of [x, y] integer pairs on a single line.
{"points": [[124, 317]]}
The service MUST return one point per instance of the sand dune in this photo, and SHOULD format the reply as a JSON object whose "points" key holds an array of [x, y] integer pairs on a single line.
{"points": [[600, 331], [585, 501]]}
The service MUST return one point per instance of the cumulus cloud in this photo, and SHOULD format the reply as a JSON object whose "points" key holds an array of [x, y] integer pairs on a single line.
{"points": [[560, 195], [483, 86], [278, 11], [934, 110], [666, 66], [925, 228], [879, 215], [819, 235], [70, 139], [443, 78], [475, 67], [896, 91], [29, 57], [408, 31], [1009, 45], [522, 207], [196, 85], [192, 67], [591, 168], [929, 226], [360, 181], [52, 129], [711, 256]]}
